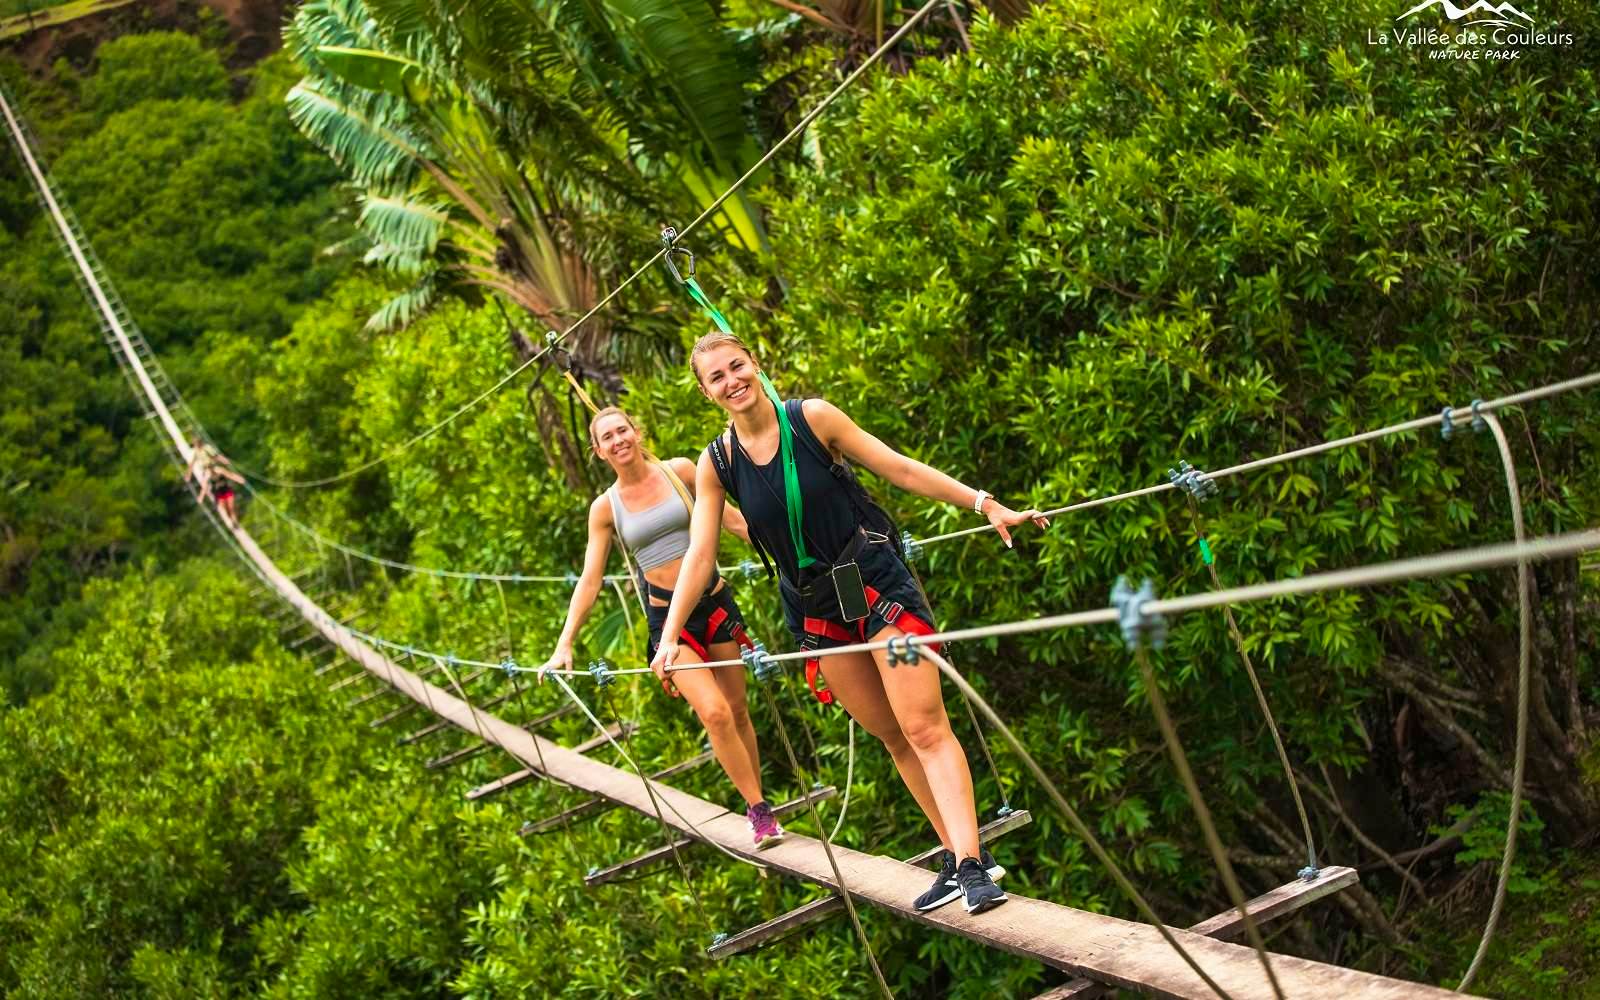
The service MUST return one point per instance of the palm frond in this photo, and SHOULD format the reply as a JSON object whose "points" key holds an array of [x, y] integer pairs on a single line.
{"points": [[371, 69], [373, 151], [405, 308]]}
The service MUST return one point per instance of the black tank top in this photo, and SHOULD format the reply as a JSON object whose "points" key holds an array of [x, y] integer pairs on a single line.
{"points": [[829, 519]]}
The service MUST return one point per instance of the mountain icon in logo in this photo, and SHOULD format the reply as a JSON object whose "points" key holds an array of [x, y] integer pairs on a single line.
{"points": [[1487, 13]]}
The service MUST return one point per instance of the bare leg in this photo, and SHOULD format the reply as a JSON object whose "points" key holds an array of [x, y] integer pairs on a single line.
{"points": [[855, 681], [918, 706], [730, 681], [701, 690]]}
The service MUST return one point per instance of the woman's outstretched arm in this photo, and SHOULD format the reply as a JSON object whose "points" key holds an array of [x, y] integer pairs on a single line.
{"points": [[842, 435], [589, 584]]}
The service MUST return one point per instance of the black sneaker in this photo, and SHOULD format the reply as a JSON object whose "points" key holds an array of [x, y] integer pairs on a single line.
{"points": [[944, 888], [979, 889], [990, 865]]}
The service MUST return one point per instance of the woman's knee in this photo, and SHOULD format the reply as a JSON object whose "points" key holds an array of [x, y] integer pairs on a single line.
{"points": [[715, 714], [926, 731], [887, 732]]}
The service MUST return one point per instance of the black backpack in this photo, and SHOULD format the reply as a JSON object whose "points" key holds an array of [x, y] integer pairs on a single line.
{"points": [[869, 513]]}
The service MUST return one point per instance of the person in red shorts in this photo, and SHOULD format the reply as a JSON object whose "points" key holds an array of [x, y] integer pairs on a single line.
{"points": [[649, 508], [842, 580], [215, 478]]}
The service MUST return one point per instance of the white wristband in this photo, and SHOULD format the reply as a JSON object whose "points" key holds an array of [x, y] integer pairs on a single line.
{"points": [[977, 504]]}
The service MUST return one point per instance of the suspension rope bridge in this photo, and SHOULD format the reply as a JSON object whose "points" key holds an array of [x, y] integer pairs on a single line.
{"points": [[1148, 957]]}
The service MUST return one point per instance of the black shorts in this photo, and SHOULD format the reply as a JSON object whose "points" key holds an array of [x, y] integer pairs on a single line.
{"points": [[893, 595], [715, 619]]}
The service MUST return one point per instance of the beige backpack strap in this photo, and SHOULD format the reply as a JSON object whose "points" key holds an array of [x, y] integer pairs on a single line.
{"points": [[677, 484]]}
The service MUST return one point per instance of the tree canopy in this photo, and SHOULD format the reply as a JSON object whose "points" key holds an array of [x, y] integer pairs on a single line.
{"points": [[1103, 241]]}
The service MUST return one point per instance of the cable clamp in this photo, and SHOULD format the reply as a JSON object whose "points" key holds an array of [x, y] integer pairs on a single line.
{"points": [[1192, 481], [1478, 423], [911, 547], [669, 243], [1004, 811], [1310, 873], [900, 650], [748, 569], [571, 579], [1138, 627], [1447, 426], [601, 671], [718, 938], [509, 666], [562, 357], [757, 659]]}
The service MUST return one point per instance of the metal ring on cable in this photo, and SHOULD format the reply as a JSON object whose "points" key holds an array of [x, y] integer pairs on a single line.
{"points": [[669, 241]]}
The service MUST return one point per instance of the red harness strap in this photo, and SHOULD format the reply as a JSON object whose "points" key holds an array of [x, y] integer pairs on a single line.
{"points": [[700, 644], [688, 639], [821, 628]]}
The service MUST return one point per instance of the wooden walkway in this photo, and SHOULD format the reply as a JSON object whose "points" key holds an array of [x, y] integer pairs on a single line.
{"points": [[1101, 948]]}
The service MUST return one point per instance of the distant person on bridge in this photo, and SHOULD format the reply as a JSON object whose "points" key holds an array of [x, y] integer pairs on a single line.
{"points": [[649, 509], [214, 476], [843, 581]]}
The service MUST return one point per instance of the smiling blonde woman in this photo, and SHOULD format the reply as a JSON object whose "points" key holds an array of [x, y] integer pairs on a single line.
{"points": [[842, 580], [649, 509]]}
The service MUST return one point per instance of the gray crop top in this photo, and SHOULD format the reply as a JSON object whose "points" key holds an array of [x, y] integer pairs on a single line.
{"points": [[656, 535]]}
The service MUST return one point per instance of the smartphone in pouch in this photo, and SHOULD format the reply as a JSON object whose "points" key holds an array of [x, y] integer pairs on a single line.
{"points": [[851, 590]]}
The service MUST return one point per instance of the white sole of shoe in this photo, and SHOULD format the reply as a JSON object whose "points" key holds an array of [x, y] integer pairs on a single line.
{"points": [[987, 904], [935, 904], [771, 841]]}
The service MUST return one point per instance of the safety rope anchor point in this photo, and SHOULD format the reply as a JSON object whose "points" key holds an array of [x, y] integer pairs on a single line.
{"points": [[1192, 481], [911, 547], [1139, 627], [900, 650], [760, 661]]}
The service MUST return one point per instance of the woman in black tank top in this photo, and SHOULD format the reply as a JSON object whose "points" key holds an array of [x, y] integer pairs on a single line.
{"points": [[754, 465]]}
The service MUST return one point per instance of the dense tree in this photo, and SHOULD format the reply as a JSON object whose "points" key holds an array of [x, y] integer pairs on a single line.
{"points": [[1108, 240], [210, 218]]}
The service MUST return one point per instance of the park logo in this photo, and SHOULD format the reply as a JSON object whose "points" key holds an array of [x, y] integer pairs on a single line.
{"points": [[1482, 31], [1480, 14]]}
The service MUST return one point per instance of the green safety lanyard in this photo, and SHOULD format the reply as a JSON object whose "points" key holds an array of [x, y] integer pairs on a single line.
{"points": [[791, 474]]}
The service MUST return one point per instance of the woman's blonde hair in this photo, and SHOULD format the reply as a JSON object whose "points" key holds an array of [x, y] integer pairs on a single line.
{"points": [[711, 342], [609, 412]]}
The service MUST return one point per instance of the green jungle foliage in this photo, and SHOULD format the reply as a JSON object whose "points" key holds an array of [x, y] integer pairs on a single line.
{"points": [[1104, 241], [211, 215]]}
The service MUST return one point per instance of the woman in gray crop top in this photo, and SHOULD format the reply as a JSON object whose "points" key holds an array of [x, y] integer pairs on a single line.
{"points": [[648, 507]]}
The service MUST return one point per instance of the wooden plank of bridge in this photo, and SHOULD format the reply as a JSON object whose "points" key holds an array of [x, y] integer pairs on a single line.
{"points": [[443, 724], [410, 706], [583, 809], [370, 696], [1107, 949], [820, 909], [318, 635], [1225, 926], [600, 876], [473, 749], [515, 778]]}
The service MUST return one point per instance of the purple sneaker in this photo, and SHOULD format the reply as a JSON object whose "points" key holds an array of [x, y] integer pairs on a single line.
{"points": [[764, 825]]}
